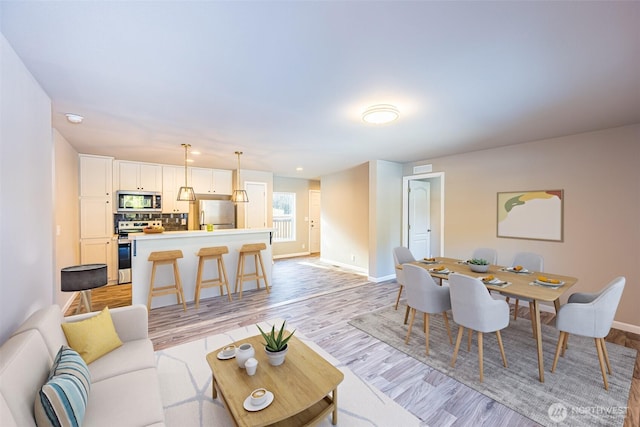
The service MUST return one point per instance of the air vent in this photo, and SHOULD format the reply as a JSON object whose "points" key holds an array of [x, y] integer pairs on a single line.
{"points": [[422, 169]]}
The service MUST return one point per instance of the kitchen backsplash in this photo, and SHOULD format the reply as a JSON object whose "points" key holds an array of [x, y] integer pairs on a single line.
{"points": [[170, 222]]}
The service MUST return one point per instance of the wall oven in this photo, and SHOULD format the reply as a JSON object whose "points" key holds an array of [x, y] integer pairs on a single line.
{"points": [[124, 246]]}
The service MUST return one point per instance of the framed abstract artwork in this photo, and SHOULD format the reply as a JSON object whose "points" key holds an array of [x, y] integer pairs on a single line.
{"points": [[536, 215]]}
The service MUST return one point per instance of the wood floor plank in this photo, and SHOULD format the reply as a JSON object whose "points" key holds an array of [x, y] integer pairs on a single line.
{"points": [[320, 300]]}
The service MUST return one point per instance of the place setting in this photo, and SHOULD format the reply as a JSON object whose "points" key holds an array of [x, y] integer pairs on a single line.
{"points": [[429, 261], [518, 269], [227, 352], [494, 281], [547, 282], [440, 270]]}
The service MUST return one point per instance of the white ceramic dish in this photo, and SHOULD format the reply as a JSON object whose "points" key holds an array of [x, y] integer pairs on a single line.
{"points": [[223, 357], [553, 285], [523, 271], [445, 271], [494, 282], [251, 408]]}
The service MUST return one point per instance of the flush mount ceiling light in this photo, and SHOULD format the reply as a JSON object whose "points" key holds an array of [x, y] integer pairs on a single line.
{"points": [[380, 114], [185, 193], [239, 196], [74, 118]]}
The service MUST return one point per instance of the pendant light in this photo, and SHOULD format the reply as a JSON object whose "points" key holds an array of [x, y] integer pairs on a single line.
{"points": [[186, 194], [239, 196]]}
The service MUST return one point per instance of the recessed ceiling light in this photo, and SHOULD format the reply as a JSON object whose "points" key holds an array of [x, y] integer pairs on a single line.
{"points": [[380, 113], [74, 118]]}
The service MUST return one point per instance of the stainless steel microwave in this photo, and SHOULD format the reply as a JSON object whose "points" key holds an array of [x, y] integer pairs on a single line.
{"points": [[138, 201]]}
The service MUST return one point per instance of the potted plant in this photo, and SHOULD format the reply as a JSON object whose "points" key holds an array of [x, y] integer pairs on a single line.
{"points": [[276, 344], [479, 265]]}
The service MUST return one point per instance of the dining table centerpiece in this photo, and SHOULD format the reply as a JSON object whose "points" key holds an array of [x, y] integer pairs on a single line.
{"points": [[275, 345], [479, 265]]}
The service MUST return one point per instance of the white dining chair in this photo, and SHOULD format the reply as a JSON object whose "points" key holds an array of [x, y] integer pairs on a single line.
{"points": [[590, 315], [424, 295], [489, 254], [401, 255], [532, 262], [474, 308]]}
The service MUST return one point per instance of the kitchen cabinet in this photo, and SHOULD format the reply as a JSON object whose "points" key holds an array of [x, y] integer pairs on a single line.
{"points": [[172, 180], [212, 181], [101, 251], [96, 218], [95, 176], [138, 176]]}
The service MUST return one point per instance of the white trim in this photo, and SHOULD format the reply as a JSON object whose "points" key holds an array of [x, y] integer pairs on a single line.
{"points": [[381, 279], [626, 327], [291, 255], [405, 204]]}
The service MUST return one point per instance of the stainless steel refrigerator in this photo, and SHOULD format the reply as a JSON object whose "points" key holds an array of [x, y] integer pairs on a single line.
{"points": [[220, 213]]}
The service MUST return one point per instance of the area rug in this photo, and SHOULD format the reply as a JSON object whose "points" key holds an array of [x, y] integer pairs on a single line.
{"points": [[572, 396], [185, 386]]}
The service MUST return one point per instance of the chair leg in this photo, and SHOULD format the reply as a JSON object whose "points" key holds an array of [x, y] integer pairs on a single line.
{"points": [[504, 357], [406, 315], [480, 356], [180, 294], [559, 348], [398, 299], [199, 281], [606, 354], [413, 316], [469, 340], [153, 279], [426, 331], [565, 345], [600, 359], [446, 324], [455, 350], [515, 310], [226, 279], [533, 318]]}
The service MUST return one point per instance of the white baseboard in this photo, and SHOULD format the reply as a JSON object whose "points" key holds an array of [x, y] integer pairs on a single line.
{"points": [[292, 255], [381, 279]]}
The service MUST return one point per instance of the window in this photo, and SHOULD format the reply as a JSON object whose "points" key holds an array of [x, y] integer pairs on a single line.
{"points": [[284, 216]]}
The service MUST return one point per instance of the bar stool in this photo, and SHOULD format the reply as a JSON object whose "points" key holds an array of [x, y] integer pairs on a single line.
{"points": [[245, 251], [206, 254], [166, 258]]}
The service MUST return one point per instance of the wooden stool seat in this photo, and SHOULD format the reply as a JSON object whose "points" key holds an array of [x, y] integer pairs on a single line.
{"points": [[206, 254], [166, 258], [251, 249]]}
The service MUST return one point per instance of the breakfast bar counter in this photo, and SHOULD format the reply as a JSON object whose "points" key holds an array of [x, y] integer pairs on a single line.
{"points": [[190, 242]]}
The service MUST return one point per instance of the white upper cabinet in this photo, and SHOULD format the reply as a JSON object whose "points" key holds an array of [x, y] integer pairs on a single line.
{"points": [[139, 176], [172, 180], [95, 176], [212, 181]]}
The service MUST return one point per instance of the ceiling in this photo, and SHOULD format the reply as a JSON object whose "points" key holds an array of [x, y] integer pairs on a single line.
{"points": [[286, 82]]}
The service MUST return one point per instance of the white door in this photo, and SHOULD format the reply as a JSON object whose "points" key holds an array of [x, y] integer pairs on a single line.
{"points": [[314, 221], [256, 210], [420, 218]]}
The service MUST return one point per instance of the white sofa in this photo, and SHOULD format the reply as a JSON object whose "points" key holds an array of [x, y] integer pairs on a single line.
{"points": [[125, 390]]}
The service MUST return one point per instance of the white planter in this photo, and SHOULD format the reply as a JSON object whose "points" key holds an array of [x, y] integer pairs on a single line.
{"points": [[479, 268], [276, 358]]}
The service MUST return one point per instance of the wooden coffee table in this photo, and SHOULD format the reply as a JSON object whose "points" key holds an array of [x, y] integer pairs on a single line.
{"points": [[305, 386]]}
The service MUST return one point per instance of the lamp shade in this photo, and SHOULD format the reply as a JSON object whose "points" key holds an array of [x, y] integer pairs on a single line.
{"points": [[83, 277], [239, 196], [186, 194]]}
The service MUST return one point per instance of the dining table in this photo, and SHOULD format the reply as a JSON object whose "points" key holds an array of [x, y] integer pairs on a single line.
{"points": [[511, 283]]}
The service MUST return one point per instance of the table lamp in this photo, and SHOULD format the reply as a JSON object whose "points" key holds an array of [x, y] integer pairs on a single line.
{"points": [[83, 278]]}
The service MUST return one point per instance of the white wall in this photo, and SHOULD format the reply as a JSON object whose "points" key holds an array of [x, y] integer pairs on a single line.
{"points": [[67, 212], [26, 194], [385, 217], [600, 175], [345, 217]]}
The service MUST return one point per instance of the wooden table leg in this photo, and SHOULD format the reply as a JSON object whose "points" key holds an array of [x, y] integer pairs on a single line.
{"points": [[536, 307], [214, 392], [334, 417]]}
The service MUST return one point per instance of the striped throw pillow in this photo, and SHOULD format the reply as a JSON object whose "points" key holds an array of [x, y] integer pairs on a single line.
{"points": [[62, 400]]}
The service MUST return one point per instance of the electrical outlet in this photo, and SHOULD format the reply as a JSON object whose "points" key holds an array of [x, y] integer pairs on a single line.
{"points": [[184, 221]]}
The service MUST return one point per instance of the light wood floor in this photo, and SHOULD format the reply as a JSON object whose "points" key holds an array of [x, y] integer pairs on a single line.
{"points": [[321, 301]]}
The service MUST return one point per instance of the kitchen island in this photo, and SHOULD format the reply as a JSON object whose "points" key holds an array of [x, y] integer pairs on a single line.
{"points": [[190, 242]]}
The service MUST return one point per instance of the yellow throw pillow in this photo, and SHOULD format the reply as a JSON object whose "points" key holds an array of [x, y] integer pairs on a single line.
{"points": [[93, 337]]}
